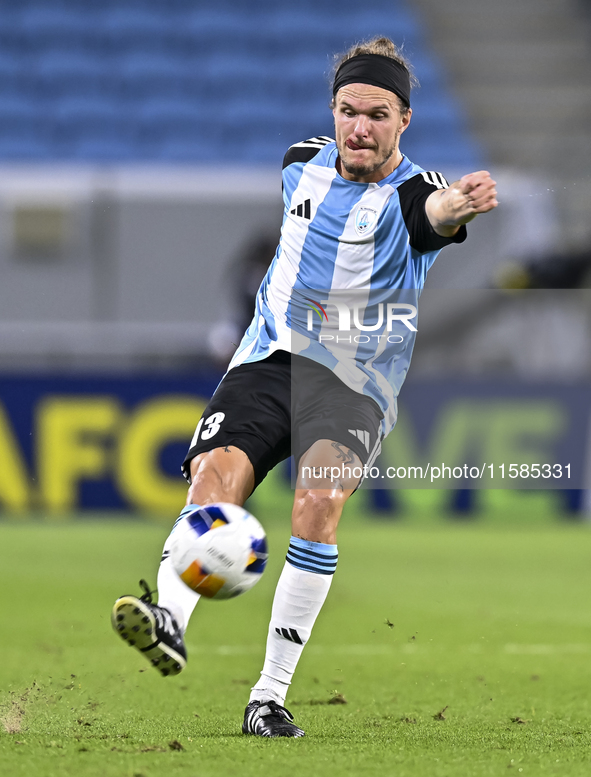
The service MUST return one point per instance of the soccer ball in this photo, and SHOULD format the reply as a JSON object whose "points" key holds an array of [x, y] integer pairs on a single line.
{"points": [[220, 551]]}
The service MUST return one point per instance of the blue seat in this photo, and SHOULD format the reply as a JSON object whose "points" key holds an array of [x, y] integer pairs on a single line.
{"points": [[72, 73], [173, 148], [10, 65], [428, 70], [305, 76], [283, 132], [435, 106], [16, 74], [227, 67], [80, 120], [53, 26], [25, 149], [162, 121], [101, 149], [170, 110], [134, 28], [11, 37], [222, 25], [144, 74], [20, 116], [218, 35], [178, 80], [25, 132], [400, 25], [89, 110]]}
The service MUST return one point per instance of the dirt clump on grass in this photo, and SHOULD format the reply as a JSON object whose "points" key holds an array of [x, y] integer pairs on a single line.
{"points": [[12, 712]]}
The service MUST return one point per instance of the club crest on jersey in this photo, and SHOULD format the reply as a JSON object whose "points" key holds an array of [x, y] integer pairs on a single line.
{"points": [[365, 220]]}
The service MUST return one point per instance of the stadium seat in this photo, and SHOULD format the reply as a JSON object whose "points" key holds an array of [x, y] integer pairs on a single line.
{"points": [[19, 116], [15, 74], [85, 122], [71, 73], [151, 80], [144, 75], [50, 25], [15, 149], [102, 149], [173, 148], [166, 123], [135, 28]]}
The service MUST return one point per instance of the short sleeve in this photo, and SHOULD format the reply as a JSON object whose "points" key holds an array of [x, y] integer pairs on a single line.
{"points": [[306, 150], [413, 195]]}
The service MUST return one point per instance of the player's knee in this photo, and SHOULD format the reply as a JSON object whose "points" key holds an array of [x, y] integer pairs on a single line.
{"points": [[220, 476], [206, 464]]}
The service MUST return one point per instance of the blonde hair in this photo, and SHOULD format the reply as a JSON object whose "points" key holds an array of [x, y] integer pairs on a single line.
{"points": [[378, 45]]}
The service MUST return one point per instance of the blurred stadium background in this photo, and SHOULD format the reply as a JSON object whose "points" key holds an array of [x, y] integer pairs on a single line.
{"points": [[140, 154]]}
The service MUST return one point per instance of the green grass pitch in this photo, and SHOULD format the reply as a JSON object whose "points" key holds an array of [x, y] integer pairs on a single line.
{"points": [[453, 650]]}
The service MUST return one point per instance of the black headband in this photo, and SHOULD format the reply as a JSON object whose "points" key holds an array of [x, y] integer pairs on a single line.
{"points": [[376, 70]]}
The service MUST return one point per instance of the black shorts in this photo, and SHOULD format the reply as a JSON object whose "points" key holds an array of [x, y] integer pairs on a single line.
{"points": [[282, 405]]}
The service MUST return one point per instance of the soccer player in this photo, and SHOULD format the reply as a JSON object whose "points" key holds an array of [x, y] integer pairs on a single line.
{"points": [[359, 216]]}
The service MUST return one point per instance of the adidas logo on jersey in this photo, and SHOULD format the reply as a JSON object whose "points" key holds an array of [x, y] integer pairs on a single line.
{"points": [[303, 209], [361, 435], [318, 142], [435, 179]]}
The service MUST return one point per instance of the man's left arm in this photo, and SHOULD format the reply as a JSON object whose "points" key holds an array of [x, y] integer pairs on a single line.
{"points": [[448, 209]]}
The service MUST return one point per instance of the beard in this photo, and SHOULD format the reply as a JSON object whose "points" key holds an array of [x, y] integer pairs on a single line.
{"points": [[361, 170]]}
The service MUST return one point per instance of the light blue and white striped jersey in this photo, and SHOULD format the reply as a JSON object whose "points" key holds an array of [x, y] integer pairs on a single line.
{"points": [[364, 245]]}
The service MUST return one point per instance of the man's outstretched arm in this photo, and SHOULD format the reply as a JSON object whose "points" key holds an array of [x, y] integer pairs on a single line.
{"points": [[448, 209]]}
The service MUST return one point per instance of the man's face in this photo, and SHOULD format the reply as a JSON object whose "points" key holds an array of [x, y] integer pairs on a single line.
{"points": [[368, 124]]}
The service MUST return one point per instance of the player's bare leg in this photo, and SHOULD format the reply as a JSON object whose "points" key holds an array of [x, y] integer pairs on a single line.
{"points": [[319, 501], [220, 475], [303, 585], [157, 630]]}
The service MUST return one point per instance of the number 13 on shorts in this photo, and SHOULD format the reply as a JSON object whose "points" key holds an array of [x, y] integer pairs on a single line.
{"points": [[210, 426]]}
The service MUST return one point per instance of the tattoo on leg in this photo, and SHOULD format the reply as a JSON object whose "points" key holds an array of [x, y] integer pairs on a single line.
{"points": [[227, 449], [345, 455]]}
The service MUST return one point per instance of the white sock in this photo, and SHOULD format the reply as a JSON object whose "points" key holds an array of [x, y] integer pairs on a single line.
{"points": [[299, 596], [173, 594]]}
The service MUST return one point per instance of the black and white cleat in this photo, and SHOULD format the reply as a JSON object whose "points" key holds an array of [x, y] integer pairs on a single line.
{"points": [[150, 629], [269, 719]]}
